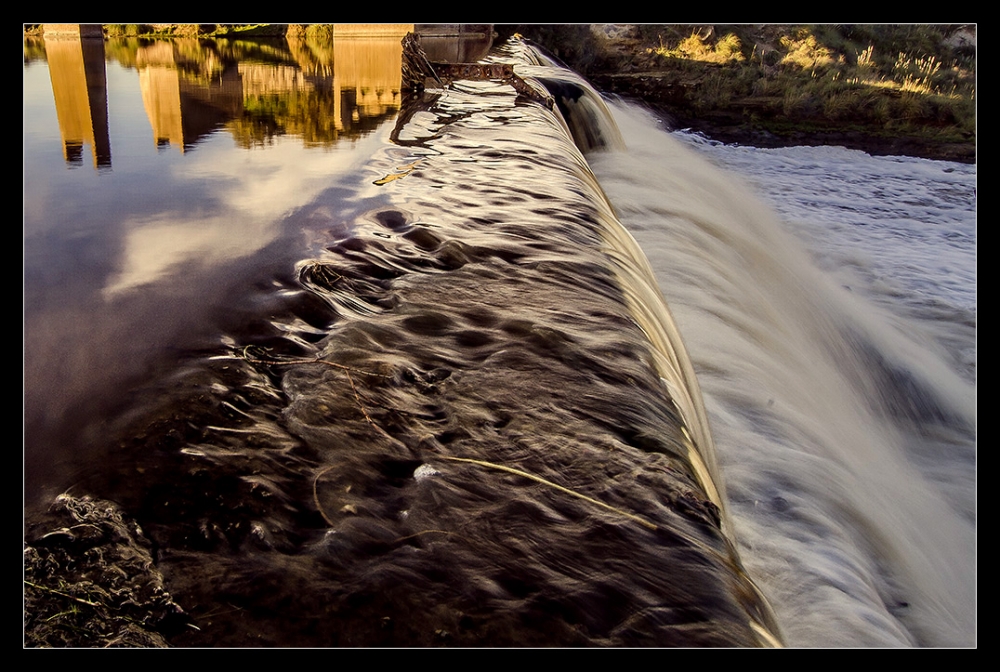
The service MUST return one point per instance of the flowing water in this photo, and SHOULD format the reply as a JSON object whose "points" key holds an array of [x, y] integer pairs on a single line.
{"points": [[835, 345], [408, 381]]}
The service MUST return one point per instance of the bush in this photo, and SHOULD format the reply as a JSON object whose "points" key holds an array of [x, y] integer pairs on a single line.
{"points": [[804, 51], [695, 48]]}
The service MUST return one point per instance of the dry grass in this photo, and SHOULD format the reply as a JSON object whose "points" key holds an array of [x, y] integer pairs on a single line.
{"points": [[696, 48], [889, 77]]}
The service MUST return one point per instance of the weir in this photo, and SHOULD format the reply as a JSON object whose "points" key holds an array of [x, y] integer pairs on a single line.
{"points": [[479, 426]]}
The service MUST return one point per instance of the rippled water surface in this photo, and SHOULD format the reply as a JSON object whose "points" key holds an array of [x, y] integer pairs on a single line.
{"points": [[372, 370], [407, 385]]}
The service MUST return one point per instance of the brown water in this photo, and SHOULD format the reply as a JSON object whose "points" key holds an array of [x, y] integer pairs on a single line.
{"points": [[365, 379], [175, 228]]}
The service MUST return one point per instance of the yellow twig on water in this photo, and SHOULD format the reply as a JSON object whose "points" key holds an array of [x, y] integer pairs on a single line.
{"points": [[398, 174], [538, 479], [319, 506], [421, 533]]}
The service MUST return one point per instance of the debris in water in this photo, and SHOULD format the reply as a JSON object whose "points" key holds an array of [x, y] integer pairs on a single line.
{"points": [[92, 582]]}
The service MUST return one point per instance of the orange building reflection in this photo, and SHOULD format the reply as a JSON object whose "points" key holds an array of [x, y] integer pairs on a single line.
{"points": [[80, 89], [320, 85], [186, 92]]}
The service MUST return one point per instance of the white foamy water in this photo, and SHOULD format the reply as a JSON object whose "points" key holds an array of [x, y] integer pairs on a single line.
{"points": [[828, 301]]}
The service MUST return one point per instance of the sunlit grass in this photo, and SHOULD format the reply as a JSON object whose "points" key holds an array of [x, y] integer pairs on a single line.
{"points": [[694, 47], [803, 51], [892, 75]]}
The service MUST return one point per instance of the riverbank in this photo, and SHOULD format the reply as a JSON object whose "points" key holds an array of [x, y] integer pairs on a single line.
{"points": [[883, 89], [744, 122]]}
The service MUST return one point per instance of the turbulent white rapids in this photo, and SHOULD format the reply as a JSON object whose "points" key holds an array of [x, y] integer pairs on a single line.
{"points": [[840, 385]]}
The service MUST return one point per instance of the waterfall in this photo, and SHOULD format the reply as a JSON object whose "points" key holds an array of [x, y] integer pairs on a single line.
{"points": [[846, 436], [496, 373]]}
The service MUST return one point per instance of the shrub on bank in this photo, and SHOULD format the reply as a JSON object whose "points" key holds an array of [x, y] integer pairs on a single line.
{"points": [[885, 77]]}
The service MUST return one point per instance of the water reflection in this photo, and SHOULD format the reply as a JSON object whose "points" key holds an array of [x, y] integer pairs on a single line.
{"points": [[79, 88], [315, 89], [124, 269], [187, 91]]}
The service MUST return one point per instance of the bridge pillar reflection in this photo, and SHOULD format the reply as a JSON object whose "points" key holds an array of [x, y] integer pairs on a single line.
{"points": [[80, 88]]}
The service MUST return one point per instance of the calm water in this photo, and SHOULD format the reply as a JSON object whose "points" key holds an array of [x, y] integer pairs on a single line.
{"points": [[469, 310]]}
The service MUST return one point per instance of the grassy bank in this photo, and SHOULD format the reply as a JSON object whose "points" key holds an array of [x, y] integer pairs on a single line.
{"points": [[886, 88]]}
